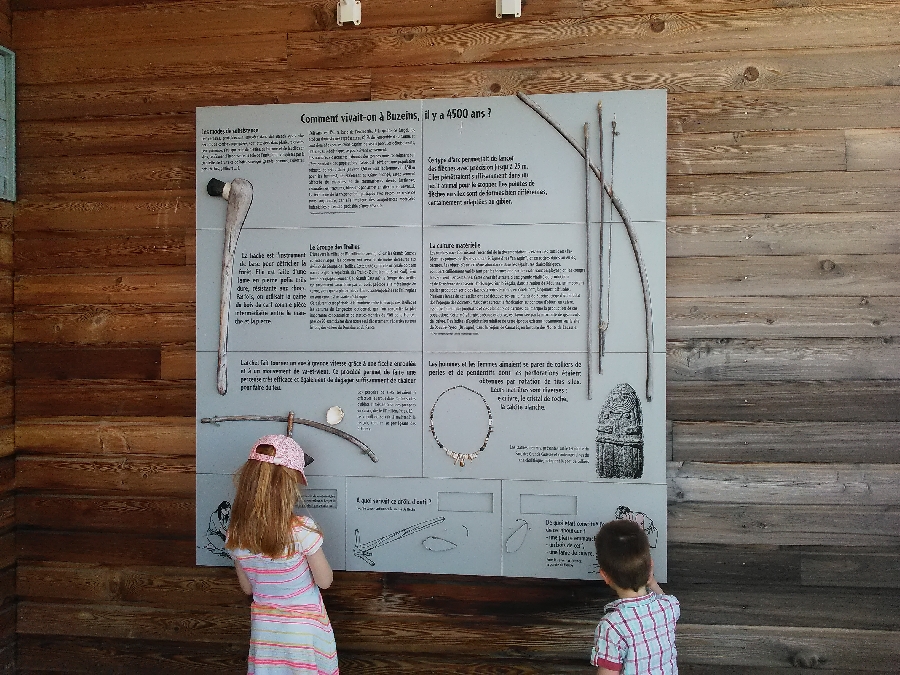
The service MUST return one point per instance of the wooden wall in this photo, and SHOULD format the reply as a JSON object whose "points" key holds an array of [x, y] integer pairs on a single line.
{"points": [[7, 419], [783, 324]]}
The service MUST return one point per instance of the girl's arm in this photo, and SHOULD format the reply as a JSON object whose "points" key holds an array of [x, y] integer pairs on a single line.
{"points": [[606, 671], [242, 578], [321, 570]]}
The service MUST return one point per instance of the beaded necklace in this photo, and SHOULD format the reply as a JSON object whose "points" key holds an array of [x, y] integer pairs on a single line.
{"points": [[459, 457]]}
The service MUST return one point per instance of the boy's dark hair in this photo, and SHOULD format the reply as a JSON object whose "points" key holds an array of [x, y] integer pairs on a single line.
{"points": [[623, 552]]}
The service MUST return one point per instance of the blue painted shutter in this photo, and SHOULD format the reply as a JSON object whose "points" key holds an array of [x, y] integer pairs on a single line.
{"points": [[7, 125]]}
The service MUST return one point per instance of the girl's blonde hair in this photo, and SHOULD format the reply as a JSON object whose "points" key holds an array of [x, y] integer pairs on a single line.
{"points": [[262, 515]]}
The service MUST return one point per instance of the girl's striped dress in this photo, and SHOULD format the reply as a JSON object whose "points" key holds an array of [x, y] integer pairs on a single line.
{"points": [[290, 631]]}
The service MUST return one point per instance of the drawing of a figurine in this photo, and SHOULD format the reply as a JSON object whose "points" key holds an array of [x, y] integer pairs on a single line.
{"points": [[620, 435]]}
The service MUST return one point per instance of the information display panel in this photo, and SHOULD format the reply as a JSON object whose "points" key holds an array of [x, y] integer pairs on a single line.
{"points": [[468, 330]]}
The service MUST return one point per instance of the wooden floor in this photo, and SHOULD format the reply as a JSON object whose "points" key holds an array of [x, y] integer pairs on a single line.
{"points": [[783, 322]]}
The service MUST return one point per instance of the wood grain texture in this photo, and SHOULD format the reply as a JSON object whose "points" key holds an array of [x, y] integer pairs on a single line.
{"points": [[97, 249], [876, 570], [113, 286], [179, 362], [784, 484], [144, 59], [168, 477], [107, 173], [757, 75], [100, 27], [98, 324], [153, 516], [104, 397], [107, 438], [55, 654], [199, 586], [780, 647], [783, 110], [821, 192], [103, 548], [174, 95], [846, 275], [839, 442], [782, 234], [782, 317], [138, 211], [772, 359], [684, 32], [765, 401], [86, 23], [754, 152], [34, 361], [873, 149], [148, 133], [766, 645], [776, 525]]}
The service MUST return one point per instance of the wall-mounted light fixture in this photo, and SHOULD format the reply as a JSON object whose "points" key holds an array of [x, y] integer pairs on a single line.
{"points": [[513, 7], [350, 10]]}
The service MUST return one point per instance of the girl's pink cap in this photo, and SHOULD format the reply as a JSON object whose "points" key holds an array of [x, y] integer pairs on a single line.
{"points": [[287, 453]]}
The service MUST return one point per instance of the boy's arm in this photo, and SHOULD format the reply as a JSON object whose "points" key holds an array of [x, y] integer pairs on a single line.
{"points": [[653, 586], [606, 671]]}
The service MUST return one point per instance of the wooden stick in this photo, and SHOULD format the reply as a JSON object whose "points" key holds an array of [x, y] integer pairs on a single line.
{"points": [[587, 254], [297, 420], [601, 326], [629, 228]]}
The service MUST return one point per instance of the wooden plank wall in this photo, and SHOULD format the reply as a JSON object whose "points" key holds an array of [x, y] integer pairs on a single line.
{"points": [[783, 324], [7, 446]]}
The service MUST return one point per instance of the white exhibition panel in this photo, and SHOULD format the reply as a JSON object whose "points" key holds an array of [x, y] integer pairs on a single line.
{"points": [[418, 525], [379, 392], [424, 266], [549, 526], [315, 164], [543, 423], [316, 289]]}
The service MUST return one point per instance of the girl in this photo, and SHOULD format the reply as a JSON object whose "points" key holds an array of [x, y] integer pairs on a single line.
{"points": [[279, 561]]}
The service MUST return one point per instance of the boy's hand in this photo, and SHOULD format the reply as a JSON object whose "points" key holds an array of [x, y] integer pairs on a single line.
{"points": [[653, 586]]}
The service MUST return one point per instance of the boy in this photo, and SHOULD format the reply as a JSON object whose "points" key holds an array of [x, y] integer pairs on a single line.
{"points": [[637, 634]]}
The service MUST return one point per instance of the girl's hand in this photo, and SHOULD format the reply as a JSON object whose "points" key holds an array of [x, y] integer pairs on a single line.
{"points": [[321, 570]]}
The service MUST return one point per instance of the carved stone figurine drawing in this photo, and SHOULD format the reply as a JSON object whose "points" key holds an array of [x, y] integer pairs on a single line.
{"points": [[620, 435]]}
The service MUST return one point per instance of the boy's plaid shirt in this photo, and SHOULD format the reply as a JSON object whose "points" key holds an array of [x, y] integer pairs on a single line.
{"points": [[637, 636]]}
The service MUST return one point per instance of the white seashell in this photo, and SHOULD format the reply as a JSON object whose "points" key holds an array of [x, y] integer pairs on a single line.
{"points": [[334, 415]]}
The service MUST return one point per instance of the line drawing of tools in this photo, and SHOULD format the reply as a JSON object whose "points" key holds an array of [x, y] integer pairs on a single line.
{"points": [[364, 551]]}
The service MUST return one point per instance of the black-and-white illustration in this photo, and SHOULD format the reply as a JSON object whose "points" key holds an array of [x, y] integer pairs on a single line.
{"points": [[438, 544], [642, 519], [364, 551], [517, 538], [620, 435], [217, 530]]}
